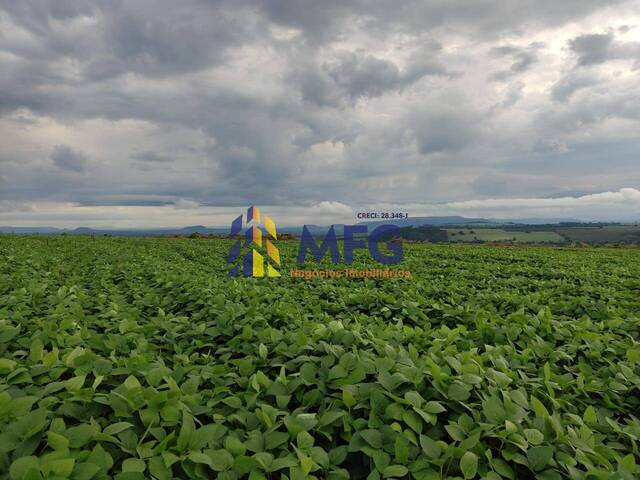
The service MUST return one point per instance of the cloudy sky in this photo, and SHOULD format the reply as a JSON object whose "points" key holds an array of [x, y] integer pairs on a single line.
{"points": [[164, 113]]}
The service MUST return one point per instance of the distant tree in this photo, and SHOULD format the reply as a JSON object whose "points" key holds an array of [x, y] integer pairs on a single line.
{"points": [[419, 234]]}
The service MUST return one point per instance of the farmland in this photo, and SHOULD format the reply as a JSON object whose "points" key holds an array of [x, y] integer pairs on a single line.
{"points": [[139, 358], [500, 235], [604, 234]]}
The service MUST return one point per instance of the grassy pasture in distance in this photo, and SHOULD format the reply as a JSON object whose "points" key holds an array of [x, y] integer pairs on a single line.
{"points": [[499, 235], [134, 358], [605, 234]]}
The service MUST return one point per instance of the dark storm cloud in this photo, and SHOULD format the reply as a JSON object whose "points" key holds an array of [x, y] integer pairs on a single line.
{"points": [[66, 158], [569, 84], [355, 75], [179, 37], [324, 20], [490, 185], [521, 59], [284, 101], [318, 20], [513, 95], [105, 40], [151, 157], [598, 48], [362, 75], [592, 48], [444, 132]]}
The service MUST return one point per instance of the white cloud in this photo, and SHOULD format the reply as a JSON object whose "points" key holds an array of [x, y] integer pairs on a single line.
{"points": [[621, 205], [331, 208], [184, 204], [625, 197]]}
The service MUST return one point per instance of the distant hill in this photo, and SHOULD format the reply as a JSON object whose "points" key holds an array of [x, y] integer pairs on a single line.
{"points": [[115, 232], [49, 230], [419, 221], [458, 220], [316, 230], [540, 221]]}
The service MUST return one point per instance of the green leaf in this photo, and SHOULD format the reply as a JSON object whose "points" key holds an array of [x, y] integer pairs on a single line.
{"points": [[234, 446], [199, 457], [62, 467], [133, 465], [590, 415], [539, 457], [415, 399], [300, 423], [401, 449], [7, 365], [132, 383], [79, 435], [100, 457], [372, 437], [304, 440], [158, 469], [85, 471], [628, 463], [283, 462], [348, 398], [338, 455], [430, 447], [539, 408], [413, 420], [330, 416], [116, 428], [471, 379], [57, 441], [22, 466], [220, 459], [469, 465], [434, 407], [186, 431], [320, 456], [8, 442], [36, 351], [534, 437], [458, 391], [306, 464], [75, 383], [395, 471]]}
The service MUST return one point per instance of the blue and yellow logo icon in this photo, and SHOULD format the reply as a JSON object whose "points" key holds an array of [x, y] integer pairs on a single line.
{"points": [[253, 262]]}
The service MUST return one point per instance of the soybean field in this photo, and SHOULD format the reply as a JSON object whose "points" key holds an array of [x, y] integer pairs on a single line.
{"points": [[141, 358]]}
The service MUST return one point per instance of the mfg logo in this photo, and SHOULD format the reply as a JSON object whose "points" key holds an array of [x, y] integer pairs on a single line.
{"points": [[355, 237], [263, 257]]}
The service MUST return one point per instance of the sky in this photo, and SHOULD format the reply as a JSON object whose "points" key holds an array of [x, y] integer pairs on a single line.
{"points": [[163, 113]]}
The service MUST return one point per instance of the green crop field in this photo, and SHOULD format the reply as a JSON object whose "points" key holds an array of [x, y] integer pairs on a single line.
{"points": [[141, 358]]}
